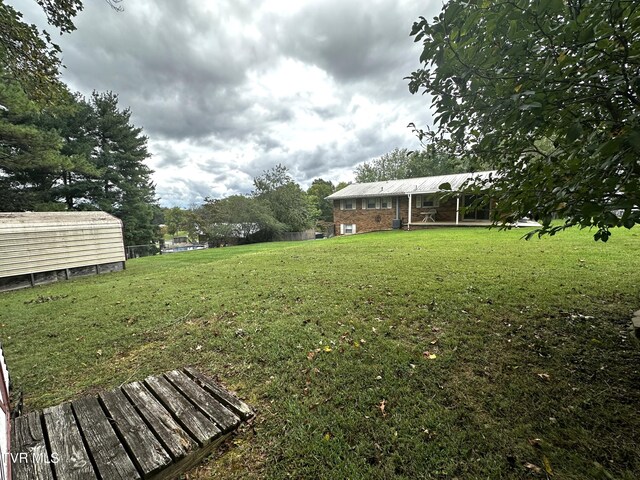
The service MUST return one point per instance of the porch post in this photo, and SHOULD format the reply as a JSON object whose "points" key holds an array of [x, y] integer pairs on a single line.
{"points": [[457, 208], [409, 221]]}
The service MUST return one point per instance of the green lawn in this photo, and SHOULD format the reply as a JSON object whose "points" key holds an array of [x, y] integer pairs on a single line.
{"points": [[436, 354]]}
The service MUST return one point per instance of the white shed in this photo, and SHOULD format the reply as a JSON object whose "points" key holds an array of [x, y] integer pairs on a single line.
{"points": [[43, 247]]}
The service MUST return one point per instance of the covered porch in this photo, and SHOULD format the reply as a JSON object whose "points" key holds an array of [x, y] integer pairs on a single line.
{"points": [[461, 223], [428, 208], [524, 223]]}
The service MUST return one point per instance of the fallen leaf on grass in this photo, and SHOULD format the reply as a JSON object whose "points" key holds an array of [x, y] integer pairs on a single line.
{"points": [[547, 465], [198, 347], [532, 467], [382, 405], [429, 355], [535, 442], [544, 376], [327, 348], [327, 437], [430, 435]]}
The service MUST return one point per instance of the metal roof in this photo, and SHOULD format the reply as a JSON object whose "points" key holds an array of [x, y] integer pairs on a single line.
{"points": [[407, 186], [46, 219]]}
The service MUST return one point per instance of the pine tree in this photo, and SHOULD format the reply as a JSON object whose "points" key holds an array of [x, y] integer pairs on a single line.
{"points": [[125, 188]]}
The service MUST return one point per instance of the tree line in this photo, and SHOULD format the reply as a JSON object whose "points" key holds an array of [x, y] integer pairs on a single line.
{"points": [[276, 205], [431, 161]]}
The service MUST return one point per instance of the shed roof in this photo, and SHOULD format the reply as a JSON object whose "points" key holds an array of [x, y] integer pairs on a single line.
{"points": [[407, 186], [59, 219]]}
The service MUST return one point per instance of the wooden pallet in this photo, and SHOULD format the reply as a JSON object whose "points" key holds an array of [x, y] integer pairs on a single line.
{"points": [[156, 429]]}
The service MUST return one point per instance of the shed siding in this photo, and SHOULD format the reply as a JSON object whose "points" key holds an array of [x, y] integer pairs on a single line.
{"points": [[37, 242]]}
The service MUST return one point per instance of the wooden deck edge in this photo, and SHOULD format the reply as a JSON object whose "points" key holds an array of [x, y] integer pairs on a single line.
{"points": [[220, 393], [171, 470], [193, 459]]}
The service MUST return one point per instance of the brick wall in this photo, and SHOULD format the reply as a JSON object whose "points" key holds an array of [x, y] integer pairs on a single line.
{"points": [[371, 220], [366, 220]]}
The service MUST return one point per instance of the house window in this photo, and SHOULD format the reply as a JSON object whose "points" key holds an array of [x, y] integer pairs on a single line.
{"points": [[386, 202], [347, 228], [370, 203], [348, 204], [426, 201]]}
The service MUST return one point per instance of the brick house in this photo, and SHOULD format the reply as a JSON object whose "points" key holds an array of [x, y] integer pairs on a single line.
{"points": [[409, 204]]}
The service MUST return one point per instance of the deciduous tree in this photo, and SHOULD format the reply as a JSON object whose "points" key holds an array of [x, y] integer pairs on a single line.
{"points": [[549, 90], [317, 192], [434, 159], [28, 56], [390, 166], [285, 199], [239, 217]]}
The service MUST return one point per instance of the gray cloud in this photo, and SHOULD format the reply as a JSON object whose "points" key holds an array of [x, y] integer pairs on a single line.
{"points": [[347, 39], [168, 156], [226, 89]]}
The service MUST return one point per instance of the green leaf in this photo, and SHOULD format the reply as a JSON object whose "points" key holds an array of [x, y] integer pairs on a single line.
{"points": [[591, 210], [587, 35], [530, 106], [611, 147], [574, 132], [634, 140]]}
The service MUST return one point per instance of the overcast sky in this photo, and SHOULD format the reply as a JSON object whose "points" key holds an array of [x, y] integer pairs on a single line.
{"points": [[226, 89]]}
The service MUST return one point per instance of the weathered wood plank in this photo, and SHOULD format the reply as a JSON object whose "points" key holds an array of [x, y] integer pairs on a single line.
{"points": [[222, 395], [166, 427], [109, 455], [29, 456], [223, 417], [66, 443], [190, 461], [147, 452], [175, 440], [199, 426]]}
